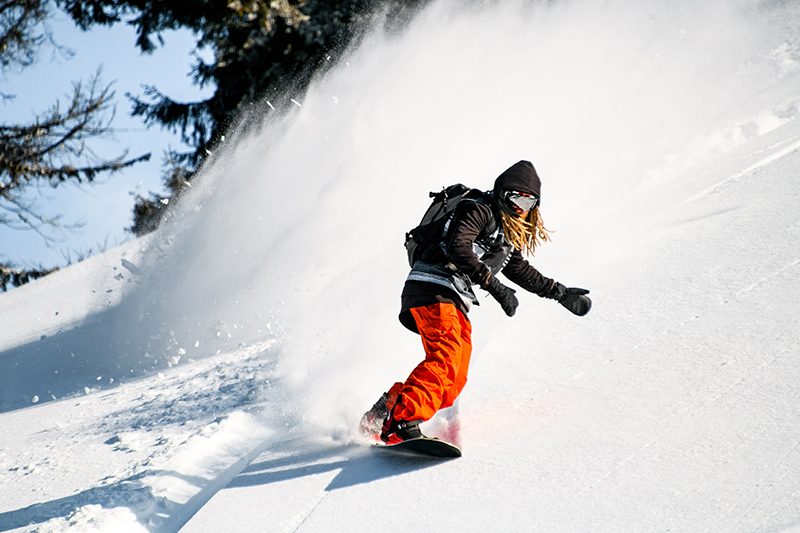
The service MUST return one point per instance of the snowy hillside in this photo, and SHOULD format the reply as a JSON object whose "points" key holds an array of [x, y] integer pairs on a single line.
{"points": [[210, 379]]}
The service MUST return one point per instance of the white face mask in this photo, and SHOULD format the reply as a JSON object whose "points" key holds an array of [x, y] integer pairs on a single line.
{"points": [[523, 201]]}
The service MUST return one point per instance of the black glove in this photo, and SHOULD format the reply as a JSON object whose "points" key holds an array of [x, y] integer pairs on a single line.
{"points": [[504, 295], [573, 299]]}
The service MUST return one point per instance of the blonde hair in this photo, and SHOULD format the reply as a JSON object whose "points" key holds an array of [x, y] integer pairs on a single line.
{"points": [[527, 232]]}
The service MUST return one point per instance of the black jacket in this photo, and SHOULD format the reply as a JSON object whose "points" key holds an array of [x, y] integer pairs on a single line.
{"points": [[472, 222]]}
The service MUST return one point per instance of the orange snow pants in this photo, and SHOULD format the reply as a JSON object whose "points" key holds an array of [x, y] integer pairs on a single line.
{"points": [[438, 380]]}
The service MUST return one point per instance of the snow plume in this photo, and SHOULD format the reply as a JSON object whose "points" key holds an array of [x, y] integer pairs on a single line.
{"points": [[296, 230]]}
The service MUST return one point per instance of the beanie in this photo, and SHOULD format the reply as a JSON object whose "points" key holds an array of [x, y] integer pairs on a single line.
{"points": [[520, 177]]}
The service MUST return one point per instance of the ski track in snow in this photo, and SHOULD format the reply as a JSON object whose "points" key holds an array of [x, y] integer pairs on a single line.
{"points": [[171, 442], [748, 171]]}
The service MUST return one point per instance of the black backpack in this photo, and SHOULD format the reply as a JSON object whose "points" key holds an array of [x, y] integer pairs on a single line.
{"points": [[431, 228]]}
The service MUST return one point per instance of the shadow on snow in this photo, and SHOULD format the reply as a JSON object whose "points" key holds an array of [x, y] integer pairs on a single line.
{"points": [[356, 464]]}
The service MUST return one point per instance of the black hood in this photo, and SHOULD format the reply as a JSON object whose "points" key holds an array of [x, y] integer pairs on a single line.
{"points": [[520, 177]]}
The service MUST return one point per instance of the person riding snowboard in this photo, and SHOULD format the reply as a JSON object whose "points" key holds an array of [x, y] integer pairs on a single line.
{"points": [[488, 234]]}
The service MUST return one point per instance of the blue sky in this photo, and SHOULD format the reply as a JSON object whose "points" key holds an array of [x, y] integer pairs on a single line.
{"points": [[105, 208]]}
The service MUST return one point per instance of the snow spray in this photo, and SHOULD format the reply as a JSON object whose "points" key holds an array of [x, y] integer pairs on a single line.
{"points": [[295, 231]]}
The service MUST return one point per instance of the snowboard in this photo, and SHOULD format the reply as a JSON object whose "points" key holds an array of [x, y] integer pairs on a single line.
{"points": [[422, 447]]}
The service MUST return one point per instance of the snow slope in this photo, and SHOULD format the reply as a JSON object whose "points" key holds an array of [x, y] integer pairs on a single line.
{"points": [[219, 388]]}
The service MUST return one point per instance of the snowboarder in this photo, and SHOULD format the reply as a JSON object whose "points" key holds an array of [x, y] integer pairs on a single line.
{"points": [[487, 234]]}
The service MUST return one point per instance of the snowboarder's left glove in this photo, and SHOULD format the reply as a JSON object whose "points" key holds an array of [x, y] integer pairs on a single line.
{"points": [[572, 298], [504, 295]]}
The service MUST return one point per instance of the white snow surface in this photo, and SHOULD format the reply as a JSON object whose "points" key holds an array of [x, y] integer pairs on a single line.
{"points": [[210, 378]]}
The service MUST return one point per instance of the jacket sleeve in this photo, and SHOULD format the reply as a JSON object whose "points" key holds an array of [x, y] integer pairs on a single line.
{"points": [[520, 272], [468, 222]]}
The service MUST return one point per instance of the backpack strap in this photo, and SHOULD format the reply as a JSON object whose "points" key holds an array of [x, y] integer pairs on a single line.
{"points": [[486, 200]]}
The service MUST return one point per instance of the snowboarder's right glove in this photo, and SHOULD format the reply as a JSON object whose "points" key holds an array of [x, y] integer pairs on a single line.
{"points": [[572, 298], [504, 295]]}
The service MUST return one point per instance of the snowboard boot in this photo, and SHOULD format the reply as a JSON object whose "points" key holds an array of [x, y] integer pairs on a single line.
{"points": [[373, 420], [395, 431]]}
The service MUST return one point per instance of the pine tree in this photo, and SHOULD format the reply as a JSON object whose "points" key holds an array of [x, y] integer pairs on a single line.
{"points": [[52, 150], [20, 33], [260, 49]]}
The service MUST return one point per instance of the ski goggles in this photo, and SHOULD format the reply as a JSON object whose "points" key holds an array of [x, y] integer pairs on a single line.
{"points": [[526, 202]]}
